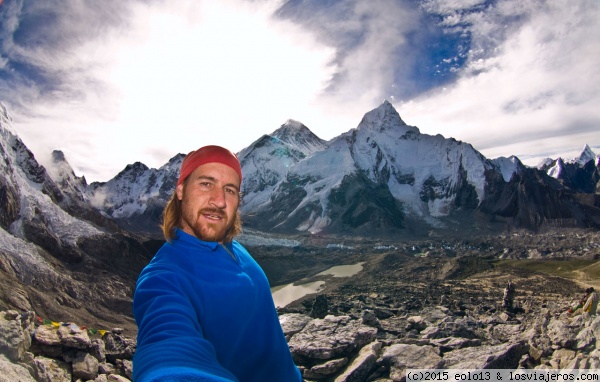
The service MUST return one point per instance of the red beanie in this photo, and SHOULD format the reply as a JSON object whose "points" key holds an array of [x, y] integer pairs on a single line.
{"points": [[208, 154]]}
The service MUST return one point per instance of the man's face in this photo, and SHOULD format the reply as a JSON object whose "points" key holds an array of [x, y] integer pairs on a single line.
{"points": [[210, 197]]}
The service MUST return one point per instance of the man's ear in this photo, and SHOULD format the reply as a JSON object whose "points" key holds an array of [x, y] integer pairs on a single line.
{"points": [[179, 191]]}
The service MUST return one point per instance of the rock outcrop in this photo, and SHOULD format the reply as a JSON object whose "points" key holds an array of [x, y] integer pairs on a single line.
{"points": [[348, 348], [61, 352], [370, 346]]}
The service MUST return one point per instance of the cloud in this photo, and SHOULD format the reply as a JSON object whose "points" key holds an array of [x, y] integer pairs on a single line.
{"points": [[115, 82], [533, 92], [161, 78]]}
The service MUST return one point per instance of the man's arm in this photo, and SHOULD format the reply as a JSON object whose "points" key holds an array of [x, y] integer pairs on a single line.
{"points": [[170, 345]]}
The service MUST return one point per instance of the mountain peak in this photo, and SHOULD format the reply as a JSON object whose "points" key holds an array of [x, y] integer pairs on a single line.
{"points": [[385, 117], [586, 155], [291, 128], [58, 156], [299, 136]]}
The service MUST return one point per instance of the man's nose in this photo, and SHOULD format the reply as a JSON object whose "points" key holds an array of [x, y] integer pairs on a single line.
{"points": [[217, 197]]}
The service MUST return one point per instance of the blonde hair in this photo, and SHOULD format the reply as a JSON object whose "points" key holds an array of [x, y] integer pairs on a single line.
{"points": [[172, 217]]}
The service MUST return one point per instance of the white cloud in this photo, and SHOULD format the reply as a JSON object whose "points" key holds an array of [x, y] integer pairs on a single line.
{"points": [[184, 74], [534, 95], [166, 77]]}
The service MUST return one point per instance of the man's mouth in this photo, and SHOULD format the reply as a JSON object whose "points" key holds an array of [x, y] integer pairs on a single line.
{"points": [[213, 215]]}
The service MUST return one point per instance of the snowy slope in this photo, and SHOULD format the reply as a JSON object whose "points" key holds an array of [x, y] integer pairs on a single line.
{"points": [[586, 155], [422, 172], [59, 256], [135, 189], [267, 161], [38, 193], [32, 220], [508, 166]]}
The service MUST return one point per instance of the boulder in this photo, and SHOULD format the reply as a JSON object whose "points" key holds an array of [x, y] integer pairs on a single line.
{"points": [[51, 370], [13, 372], [85, 366], [361, 366], [15, 334], [400, 357], [330, 337], [502, 356], [292, 323]]}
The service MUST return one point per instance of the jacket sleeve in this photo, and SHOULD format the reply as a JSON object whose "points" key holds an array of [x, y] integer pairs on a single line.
{"points": [[170, 343]]}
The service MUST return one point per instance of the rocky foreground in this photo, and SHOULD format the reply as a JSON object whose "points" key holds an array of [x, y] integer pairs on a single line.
{"points": [[431, 305], [373, 346]]}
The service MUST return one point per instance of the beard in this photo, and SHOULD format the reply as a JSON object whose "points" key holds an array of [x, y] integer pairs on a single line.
{"points": [[205, 230]]}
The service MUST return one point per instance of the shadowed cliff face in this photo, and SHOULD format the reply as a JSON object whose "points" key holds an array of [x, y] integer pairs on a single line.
{"points": [[9, 202], [532, 199]]}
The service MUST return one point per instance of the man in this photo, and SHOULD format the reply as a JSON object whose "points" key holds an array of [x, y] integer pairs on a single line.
{"points": [[203, 305]]}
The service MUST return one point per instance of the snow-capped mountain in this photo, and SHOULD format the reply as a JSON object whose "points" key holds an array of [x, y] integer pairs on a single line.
{"points": [[55, 249], [372, 175], [137, 195], [580, 173], [267, 161], [587, 155], [382, 176]]}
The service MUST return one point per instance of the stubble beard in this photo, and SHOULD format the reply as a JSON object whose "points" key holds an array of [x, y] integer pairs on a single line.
{"points": [[207, 231]]}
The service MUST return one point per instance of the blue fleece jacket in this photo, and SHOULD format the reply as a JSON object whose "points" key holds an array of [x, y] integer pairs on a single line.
{"points": [[205, 313]]}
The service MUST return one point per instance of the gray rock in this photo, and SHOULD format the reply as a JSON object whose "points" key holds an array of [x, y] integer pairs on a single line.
{"points": [[452, 343], [47, 335], [117, 378], [561, 358], [51, 370], [360, 367], [330, 337], [106, 368], [368, 317], [589, 336], [125, 367], [98, 349], [563, 332], [506, 332], [13, 372], [85, 366], [15, 334], [118, 346], [292, 323], [73, 336], [503, 356], [64, 352], [400, 357], [416, 322], [325, 369]]}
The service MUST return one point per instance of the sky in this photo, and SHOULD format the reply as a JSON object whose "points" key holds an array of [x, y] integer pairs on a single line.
{"points": [[114, 82]]}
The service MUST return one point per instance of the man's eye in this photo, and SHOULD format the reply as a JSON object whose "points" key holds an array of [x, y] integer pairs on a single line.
{"points": [[231, 191], [206, 185]]}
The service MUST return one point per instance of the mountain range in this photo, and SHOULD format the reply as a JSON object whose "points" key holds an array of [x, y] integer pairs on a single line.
{"points": [[72, 249], [382, 177]]}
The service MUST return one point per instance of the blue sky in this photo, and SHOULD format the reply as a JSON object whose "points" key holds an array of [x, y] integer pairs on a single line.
{"points": [[114, 82]]}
